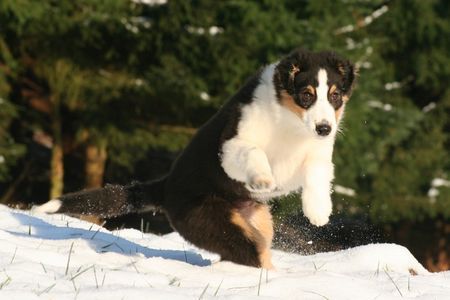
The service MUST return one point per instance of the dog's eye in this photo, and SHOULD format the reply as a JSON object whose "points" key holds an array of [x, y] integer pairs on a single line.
{"points": [[336, 99], [306, 99], [308, 96], [335, 96]]}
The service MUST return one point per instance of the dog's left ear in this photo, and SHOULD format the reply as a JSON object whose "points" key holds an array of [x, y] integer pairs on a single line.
{"points": [[347, 70]]}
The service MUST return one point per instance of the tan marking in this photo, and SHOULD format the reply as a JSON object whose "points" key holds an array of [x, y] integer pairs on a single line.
{"points": [[266, 259], [332, 89], [338, 113], [91, 218], [311, 89], [237, 219], [295, 69], [341, 69], [261, 220], [256, 224], [289, 102]]}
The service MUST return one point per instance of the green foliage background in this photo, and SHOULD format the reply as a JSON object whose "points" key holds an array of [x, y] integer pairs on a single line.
{"points": [[140, 77]]}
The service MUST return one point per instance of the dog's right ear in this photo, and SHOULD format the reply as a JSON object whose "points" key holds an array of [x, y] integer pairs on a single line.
{"points": [[288, 68]]}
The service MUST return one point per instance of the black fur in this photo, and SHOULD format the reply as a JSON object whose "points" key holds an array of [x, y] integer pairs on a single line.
{"points": [[197, 196], [298, 70], [115, 200]]}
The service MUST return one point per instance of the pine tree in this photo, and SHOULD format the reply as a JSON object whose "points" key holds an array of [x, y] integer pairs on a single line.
{"points": [[148, 75], [418, 54], [10, 150]]}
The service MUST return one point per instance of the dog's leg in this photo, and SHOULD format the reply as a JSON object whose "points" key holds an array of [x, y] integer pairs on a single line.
{"points": [[241, 234], [258, 225], [246, 162], [316, 199]]}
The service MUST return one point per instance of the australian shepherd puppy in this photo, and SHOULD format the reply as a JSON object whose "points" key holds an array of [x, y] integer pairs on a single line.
{"points": [[275, 136]]}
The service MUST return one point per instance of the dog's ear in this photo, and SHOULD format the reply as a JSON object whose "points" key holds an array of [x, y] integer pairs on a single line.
{"points": [[347, 70], [288, 68]]}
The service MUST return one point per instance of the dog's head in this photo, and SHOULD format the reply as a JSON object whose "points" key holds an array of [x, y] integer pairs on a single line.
{"points": [[316, 87]]}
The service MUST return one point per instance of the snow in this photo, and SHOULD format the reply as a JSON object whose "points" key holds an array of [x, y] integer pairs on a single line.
{"points": [[205, 96], [59, 257], [438, 182], [392, 85], [380, 105], [433, 192], [365, 22], [213, 30], [429, 107], [150, 2], [339, 189]]}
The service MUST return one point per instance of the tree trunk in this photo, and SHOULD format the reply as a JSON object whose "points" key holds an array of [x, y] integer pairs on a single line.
{"points": [[57, 162], [95, 164], [7, 196]]}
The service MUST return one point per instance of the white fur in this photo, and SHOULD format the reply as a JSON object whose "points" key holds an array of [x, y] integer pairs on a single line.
{"points": [[51, 206], [275, 152], [321, 111]]}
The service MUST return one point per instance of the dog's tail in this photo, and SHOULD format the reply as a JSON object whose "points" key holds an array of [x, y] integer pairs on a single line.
{"points": [[109, 201]]}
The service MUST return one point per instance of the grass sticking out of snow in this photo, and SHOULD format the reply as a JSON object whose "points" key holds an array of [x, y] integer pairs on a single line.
{"points": [[129, 264]]}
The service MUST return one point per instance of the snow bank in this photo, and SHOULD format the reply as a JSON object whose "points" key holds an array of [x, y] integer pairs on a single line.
{"points": [[58, 257]]}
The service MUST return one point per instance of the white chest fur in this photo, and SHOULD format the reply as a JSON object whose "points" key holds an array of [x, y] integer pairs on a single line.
{"points": [[273, 143]]}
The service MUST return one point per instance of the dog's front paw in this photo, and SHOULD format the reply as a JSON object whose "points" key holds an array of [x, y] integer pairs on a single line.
{"points": [[318, 219], [317, 208], [261, 183]]}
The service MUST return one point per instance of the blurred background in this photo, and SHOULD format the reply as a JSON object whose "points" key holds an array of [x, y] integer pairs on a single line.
{"points": [[109, 91]]}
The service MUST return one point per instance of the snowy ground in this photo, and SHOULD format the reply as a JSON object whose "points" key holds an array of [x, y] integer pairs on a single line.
{"points": [[58, 257]]}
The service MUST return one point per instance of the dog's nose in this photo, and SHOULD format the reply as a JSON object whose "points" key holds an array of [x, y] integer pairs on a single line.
{"points": [[323, 129]]}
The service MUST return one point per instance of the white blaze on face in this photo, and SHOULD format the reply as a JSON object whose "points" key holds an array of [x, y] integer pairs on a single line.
{"points": [[321, 112], [322, 88]]}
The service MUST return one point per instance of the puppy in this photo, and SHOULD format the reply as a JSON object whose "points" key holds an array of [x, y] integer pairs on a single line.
{"points": [[275, 136]]}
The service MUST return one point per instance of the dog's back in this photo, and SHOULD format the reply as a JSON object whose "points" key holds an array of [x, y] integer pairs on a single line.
{"points": [[274, 137]]}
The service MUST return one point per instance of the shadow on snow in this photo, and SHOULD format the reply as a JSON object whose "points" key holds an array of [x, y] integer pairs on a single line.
{"points": [[102, 241]]}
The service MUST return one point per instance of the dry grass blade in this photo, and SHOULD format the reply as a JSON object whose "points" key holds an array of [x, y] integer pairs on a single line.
{"points": [[185, 255], [14, 256], [95, 276], [204, 291], [393, 282], [46, 290], [133, 263], [326, 298], [93, 236], [68, 259], [5, 282], [259, 283], [81, 272], [43, 267], [217, 290]]}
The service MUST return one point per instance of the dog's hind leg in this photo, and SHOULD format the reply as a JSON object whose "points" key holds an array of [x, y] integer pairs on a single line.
{"points": [[239, 233], [256, 221]]}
